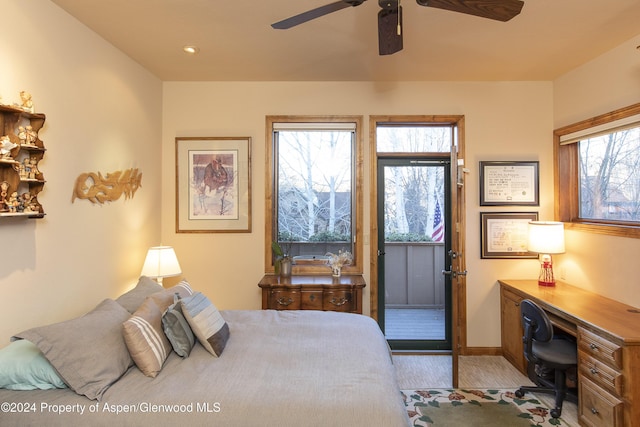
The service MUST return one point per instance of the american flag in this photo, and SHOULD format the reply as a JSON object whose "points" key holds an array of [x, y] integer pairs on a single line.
{"points": [[438, 225]]}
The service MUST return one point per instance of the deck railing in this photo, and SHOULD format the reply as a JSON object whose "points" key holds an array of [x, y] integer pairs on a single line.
{"points": [[413, 275]]}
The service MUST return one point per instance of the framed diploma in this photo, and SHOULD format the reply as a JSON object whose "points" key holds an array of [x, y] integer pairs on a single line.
{"points": [[505, 234], [509, 183]]}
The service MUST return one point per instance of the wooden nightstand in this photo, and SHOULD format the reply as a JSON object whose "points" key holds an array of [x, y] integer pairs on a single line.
{"points": [[327, 293]]}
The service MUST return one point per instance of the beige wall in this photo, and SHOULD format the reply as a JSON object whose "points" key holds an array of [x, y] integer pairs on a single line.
{"points": [[106, 113], [605, 264], [103, 114], [504, 121]]}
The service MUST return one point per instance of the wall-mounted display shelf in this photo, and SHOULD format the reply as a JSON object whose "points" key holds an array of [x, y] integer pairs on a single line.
{"points": [[20, 152]]}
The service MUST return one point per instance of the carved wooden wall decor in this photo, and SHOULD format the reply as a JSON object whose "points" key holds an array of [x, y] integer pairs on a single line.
{"points": [[96, 188]]}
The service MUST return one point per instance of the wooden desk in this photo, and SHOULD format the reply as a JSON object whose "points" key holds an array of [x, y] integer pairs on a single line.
{"points": [[322, 292], [608, 337]]}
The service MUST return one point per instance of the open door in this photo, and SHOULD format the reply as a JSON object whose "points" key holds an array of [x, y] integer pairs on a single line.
{"points": [[450, 147], [414, 236], [457, 269]]}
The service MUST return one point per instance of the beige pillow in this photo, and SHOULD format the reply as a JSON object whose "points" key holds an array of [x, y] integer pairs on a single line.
{"points": [[143, 332]]}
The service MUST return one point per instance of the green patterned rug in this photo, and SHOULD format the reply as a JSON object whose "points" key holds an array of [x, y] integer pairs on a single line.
{"points": [[477, 408]]}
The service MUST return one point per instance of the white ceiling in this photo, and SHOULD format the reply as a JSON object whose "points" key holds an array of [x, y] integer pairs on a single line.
{"points": [[236, 41]]}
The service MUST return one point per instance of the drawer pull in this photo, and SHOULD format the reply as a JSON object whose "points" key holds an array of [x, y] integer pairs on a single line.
{"points": [[594, 411], [593, 371], [284, 301], [338, 302], [592, 346]]}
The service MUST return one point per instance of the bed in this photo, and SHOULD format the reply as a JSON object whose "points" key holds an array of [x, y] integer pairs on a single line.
{"points": [[278, 368]]}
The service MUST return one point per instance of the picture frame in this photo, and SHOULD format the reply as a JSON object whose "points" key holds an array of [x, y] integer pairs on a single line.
{"points": [[213, 184], [504, 183], [505, 234]]}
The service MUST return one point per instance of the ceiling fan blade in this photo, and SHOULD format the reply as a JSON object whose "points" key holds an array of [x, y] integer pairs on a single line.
{"points": [[500, 10], [390, 31], [315, 13]]}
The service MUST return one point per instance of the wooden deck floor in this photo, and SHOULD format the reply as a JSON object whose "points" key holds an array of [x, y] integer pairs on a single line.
{"points": [[414, 324]]}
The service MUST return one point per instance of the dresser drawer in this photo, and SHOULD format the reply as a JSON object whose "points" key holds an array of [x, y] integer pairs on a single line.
{"points": [[312, 292], [600, 348], [597, 407], [600, 373], [284, 300], [311, 300], [338, 301]]}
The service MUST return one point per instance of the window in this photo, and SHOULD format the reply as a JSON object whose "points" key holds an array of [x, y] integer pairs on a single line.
{"points": [[598, 173], [313, 190], [414, 138], [410, 188]]}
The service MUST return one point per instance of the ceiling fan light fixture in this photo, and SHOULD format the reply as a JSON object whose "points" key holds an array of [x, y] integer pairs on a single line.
{"points": [[191, 50]]}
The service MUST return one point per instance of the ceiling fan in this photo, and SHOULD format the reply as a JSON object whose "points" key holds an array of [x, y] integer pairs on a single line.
{"points": [[390, 16]]}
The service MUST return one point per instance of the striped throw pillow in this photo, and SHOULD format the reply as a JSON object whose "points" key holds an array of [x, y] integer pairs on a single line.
{"points": [[143, 332], [206, 322]]}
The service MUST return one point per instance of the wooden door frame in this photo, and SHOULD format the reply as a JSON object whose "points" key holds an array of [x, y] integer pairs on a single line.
{"points": [[458, 303]]}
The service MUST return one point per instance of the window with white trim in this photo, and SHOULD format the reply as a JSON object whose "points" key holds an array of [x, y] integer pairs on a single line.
{"points": [[598, 172]]}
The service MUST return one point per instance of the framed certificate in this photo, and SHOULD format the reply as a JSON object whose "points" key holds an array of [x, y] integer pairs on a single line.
{"points": [[505, 234], [509, 183]]}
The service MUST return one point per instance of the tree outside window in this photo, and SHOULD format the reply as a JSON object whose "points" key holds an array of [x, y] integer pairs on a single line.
{"points": [[597, 168], [313, 197]]}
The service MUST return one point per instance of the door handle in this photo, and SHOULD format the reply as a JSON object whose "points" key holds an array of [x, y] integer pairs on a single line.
{"points": [[451, 272]]}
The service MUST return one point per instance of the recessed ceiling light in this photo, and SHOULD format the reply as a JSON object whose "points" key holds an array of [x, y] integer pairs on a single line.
{"points": [[191, 49]]}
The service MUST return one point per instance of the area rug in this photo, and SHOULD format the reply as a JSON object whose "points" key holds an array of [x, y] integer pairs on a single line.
{"points": [[477, 408]]}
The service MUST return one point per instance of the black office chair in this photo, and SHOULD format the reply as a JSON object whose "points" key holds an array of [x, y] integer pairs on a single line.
{"points": [[543, 351]]}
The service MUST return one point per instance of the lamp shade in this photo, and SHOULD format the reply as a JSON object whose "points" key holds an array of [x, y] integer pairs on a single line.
{"points": [[161, 261], [546, 237]]}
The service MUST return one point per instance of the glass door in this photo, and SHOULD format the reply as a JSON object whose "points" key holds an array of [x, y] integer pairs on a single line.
{"points": [[414, 303]]}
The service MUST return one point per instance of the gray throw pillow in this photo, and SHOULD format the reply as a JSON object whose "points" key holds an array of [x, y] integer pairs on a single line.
{"points": [[177, 329], [133, 299], [88, 352]]}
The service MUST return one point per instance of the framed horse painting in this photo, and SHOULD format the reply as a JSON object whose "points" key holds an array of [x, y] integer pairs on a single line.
{"points": [[213, 184]]}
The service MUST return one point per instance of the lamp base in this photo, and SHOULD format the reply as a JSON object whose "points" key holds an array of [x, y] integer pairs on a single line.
{"points": [[546, 273]]}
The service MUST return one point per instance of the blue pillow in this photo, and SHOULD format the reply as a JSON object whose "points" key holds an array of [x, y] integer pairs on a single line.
{"points": [[24, 367], [177, 329]]}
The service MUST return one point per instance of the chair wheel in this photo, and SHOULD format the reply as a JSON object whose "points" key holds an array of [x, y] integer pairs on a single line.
{"points": [[519, 393], [555, 413]]}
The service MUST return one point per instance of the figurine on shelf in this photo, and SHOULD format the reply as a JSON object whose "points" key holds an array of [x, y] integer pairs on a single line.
{"points": [[27, 135], [13, 202], [27, 202], [22, 135], [32, 135], [4, 187], [5, 148], [35, 206], [33, 167], [25, 168], [27, 102]]}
